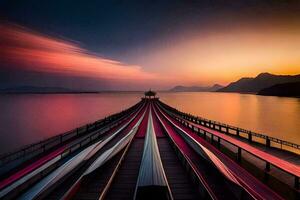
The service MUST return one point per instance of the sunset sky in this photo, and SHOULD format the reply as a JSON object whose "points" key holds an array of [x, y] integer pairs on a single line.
{"points": [[116, 45]]}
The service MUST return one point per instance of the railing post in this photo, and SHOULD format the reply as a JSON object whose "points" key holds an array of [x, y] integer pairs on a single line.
{"points": [[267, 170], [250, 137], [219, 143], [212, 138], [297, 185], [268, 166], [227, 130], [239, 154], [237, 132], [268, 142]]}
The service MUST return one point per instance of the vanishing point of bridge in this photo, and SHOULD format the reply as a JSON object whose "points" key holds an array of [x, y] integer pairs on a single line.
{"points": [[153, 151]]}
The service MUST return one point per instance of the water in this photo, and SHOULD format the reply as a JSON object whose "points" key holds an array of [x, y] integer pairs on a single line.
{"points": [[274, 116], [31, 118]]}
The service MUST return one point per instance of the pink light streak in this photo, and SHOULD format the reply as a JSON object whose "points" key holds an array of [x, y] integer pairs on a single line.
{"points": [[36, 52]]}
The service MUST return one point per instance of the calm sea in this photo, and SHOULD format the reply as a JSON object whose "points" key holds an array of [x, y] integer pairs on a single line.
{"points": [[30, 118]]}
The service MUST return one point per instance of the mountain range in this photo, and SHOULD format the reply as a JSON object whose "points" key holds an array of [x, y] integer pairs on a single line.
{"points": [[180, 88], [260, 82], [284, 90]]}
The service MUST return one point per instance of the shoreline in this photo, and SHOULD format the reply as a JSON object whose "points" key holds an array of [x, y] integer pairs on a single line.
{"points": [[102, 92]]}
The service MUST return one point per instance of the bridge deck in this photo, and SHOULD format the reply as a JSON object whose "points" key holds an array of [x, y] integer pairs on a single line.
{"points": [[96, 182], [179, 182], [124, 183], [193, 166], [180, 185], [129, 167]]}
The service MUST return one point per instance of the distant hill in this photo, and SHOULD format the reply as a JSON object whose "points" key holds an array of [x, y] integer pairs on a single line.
{"points": [[41, 90], [181, 88], [284, 89], [262, 81]]}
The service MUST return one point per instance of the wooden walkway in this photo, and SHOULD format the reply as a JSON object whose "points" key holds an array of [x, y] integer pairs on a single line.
{"points": [[180, 185]]}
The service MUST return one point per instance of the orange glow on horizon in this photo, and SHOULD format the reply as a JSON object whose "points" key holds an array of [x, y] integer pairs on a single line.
{"points": [[222, 55]]}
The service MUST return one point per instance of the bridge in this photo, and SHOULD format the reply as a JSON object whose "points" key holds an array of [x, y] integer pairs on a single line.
{"points": [[153, 151]]}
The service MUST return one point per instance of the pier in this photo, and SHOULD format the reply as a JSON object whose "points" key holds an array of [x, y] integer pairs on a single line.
{"points": [[153, 151]]}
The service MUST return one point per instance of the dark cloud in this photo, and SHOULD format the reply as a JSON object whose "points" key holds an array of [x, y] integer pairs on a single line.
{"points": [[111, 27]]}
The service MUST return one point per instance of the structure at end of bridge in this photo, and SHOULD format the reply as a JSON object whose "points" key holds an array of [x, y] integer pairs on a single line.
{"points": [[149, 94]]}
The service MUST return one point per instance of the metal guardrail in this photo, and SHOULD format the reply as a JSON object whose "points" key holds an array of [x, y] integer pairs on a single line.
{"points": [[221, 126], [115, 171], [203, 189], [44, 145]]}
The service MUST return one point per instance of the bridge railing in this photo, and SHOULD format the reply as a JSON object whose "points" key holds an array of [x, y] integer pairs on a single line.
{"points": [[218, 141], [42, 146], [229, 129]]}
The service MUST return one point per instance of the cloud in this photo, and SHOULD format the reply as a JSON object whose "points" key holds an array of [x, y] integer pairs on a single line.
{"points": [[29, 50]]}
